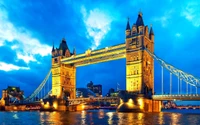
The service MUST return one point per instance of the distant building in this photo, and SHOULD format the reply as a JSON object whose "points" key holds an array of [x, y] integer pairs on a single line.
{"points": [[112, 93], [84, 93], [97, 89], [12, 94]]}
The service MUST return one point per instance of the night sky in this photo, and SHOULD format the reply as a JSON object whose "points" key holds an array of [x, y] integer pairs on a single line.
{"points": [[29, 28]]}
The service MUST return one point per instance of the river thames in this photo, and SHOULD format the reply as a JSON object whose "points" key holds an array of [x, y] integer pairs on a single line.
{"points": [[100, 117]]}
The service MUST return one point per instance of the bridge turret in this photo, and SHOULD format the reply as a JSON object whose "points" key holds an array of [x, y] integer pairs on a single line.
{"points": [[134, 30], [53, 50], [139, 64], [63, 75], [64, 50], [140, 23], [151, 34], [74, 52], [128, 29], [146, 32]]}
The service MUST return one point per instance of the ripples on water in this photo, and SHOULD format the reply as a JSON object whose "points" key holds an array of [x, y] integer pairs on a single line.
{"points": [[100, 117]]}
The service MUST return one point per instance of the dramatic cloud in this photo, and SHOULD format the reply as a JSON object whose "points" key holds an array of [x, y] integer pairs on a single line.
{"points": [[10, 67], [97, 23], [26, 46], [192, 13]]}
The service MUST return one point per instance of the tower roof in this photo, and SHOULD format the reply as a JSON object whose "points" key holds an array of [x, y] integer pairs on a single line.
{"points": [[63, 46], [53, 49], [139, 21], [151, 31], [128, 25]]}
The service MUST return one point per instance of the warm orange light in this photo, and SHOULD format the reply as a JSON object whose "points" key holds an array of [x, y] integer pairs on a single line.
{"points": [[121, 101], [130, 101], [83, 106], [140, 102], [55, 105]]}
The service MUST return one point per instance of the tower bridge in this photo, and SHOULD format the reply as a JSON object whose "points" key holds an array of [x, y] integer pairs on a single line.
{"points": [[139, 63], [138, 50]]}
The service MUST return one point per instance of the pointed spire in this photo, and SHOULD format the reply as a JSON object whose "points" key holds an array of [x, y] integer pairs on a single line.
{"points": [[74, 51], [151, 31], [53, 49], [128, 25], [139, 21]]}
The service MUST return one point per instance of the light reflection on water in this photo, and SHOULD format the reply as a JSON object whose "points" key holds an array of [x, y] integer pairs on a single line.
{"points": [[97, 117]]}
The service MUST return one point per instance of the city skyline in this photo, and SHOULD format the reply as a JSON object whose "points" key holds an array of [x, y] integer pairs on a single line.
{"points": [[30, 28]]}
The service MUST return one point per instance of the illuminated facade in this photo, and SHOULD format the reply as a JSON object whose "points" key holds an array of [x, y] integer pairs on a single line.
{"points": [[139, 64], [63, 75]]}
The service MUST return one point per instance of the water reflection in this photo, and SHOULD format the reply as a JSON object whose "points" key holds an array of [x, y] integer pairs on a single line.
{"points": [[130, 117], [140, 118], [160, 118], [122, 119], [175, 118], [99, 117], [110, 117], [83, 116], [101, 114], [15, 116]]}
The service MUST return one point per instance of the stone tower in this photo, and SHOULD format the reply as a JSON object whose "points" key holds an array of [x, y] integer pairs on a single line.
{"points": [[139, 64], [63, 76]]}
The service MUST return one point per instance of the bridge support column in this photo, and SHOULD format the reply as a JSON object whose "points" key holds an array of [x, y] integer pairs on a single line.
{"points": [[196, 91], [152, 105]]}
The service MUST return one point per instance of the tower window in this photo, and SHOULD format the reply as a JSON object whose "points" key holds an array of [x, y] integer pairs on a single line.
{"points": [[55, 60]]}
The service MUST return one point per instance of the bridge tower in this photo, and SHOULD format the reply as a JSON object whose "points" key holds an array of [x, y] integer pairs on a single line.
{"points": [[139, 64], [63, 75]]}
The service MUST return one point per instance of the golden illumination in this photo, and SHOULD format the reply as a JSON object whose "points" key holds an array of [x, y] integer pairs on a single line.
{"points": [[55, 105], [88, 52], [121, 101], [15, 108], [83, 106], [141, 103], [110, 115], [83, 117], [130, 101]]}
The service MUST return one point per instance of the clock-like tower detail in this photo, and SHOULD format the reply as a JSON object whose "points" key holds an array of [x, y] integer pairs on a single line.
{"points": [[139, 64], [63, 75]]}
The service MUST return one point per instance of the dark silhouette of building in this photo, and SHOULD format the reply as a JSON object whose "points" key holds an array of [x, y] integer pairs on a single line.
{"points": [[12, 94], [84, 93], [111, 90], [112, 93], [97, 89]]}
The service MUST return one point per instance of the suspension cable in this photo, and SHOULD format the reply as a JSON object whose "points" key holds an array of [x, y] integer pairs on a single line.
{"points": [[178, 85], [170, 83], [185, 76], [162, 79], [39, 87]]}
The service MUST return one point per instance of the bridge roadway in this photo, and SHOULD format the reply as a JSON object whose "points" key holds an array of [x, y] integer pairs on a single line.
{"points": [[93, 99], [97, 56], [185, 97]]}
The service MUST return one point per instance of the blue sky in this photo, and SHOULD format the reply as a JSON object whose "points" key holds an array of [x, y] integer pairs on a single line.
{"points": [[29, 28]]}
